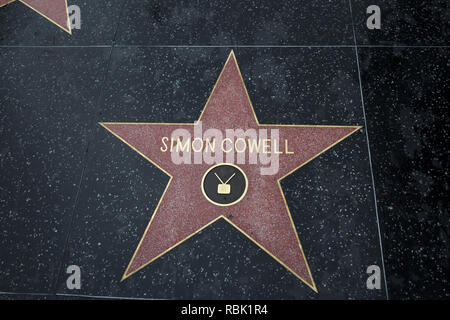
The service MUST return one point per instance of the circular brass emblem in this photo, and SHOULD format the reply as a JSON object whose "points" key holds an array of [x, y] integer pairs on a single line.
{"points": [[224, 184]]}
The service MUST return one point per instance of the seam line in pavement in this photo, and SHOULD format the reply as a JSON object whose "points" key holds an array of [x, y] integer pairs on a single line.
{"points": [[368, 149]]}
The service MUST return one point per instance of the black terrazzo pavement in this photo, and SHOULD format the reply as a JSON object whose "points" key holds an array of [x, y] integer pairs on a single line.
{"points": [[71, 193], [409, 134]]}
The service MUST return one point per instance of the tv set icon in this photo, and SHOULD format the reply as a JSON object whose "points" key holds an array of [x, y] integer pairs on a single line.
{"points": [[223, 188]]}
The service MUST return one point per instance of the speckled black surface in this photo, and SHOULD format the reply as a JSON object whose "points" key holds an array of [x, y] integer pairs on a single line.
{"points": [[409, 132], [404, 22], [29, 296], [71, 193], [46, 109], [234, 22]]}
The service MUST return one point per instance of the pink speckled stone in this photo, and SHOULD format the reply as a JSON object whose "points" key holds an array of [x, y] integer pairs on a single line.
{"points": [[262, 214], [54, 10]]}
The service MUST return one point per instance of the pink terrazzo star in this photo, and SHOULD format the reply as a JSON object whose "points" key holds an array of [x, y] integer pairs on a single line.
{"points": [[262, 214]]}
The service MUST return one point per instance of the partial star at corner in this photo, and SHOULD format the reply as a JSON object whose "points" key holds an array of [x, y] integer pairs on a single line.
{"points": [[53, 10]]}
